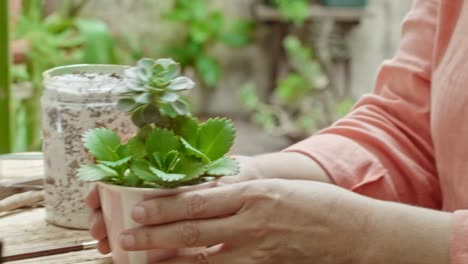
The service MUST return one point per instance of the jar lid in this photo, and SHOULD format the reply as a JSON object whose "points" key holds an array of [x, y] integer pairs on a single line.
{"points": [[83, 83]]}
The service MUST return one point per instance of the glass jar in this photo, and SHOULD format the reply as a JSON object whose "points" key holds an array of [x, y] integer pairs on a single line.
{"points": [[76, 98]]}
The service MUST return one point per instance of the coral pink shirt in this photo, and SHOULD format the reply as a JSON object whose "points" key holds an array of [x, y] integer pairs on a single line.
{"points": [[408, 140]]}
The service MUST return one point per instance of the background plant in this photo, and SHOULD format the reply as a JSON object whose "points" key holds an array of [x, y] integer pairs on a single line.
{"points": [[292, 11], [302, 102], [172, 148], [55, 39], [204, 29], [5, 134]]}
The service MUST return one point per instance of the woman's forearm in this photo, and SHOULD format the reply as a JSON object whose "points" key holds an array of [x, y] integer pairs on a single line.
{"points": [[290, 165], [406, 234]]}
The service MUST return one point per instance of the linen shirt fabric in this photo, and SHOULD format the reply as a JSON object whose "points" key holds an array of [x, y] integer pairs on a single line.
{"points": [[407, 141]]}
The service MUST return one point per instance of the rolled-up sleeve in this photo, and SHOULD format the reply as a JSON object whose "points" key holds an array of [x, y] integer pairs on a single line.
{"points": [[383, 148]]}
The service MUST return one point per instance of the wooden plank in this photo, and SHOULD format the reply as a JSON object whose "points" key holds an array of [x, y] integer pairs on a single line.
{"points": [[27, 230], [5, 107], [19, 172], [344, 14]]}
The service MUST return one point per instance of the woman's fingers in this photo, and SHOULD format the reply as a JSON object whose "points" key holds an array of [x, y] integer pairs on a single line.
{"points": [[98, 228], [206, 203], [184, 234], [103, 246], [92, 200]]}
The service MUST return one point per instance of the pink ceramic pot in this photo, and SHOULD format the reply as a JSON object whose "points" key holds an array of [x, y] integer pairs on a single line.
{"points": [[117, 204]]}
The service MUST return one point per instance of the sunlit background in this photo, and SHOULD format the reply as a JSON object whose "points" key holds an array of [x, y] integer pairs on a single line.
{"points": [[281, 69]]}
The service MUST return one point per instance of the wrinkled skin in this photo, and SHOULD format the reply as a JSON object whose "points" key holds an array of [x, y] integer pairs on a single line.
{"points": [[250, 220]]}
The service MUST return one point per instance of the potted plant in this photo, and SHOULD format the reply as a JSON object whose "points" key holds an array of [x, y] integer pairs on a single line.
{"points": [[172, 152]]}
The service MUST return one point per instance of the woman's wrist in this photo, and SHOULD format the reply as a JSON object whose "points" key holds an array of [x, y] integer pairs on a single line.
{"points": [[406, 234], [289, 165]]}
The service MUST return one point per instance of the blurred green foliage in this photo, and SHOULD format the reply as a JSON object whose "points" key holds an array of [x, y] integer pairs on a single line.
{"points": [[301, 103], [56, 39], [5, 122], [295, 11], [204, 29]]}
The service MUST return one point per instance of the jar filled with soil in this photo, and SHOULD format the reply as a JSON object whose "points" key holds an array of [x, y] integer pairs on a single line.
{"points": [[76, 98]]}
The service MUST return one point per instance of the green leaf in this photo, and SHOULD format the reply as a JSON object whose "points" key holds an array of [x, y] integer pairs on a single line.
{"points": [[95, 172], [102, 142], [167, 110], [122, 151], [187, 128], [181, 84], [136, 148], [225, 166], [141, 168], [169, 97], [162, 141], [130, 179], [215, 137], [167, 177], [192, 151], [171, 160], [173, 70], [127, 105], [180, 107], [165, 63], [99, 46], [115, 164], [192, 169], [144, 98], [158, 160], [208, 70], [146, 64]]}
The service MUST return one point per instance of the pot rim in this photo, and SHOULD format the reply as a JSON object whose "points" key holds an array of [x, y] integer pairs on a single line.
{"points": [[162, 191]]}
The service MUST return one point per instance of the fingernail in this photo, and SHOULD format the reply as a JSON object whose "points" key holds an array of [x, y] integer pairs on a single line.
{"points": [[139, 213], [127, 241]]}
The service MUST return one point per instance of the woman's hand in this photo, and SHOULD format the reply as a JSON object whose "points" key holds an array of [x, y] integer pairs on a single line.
{"points": [[249, 171], [261, 221]]}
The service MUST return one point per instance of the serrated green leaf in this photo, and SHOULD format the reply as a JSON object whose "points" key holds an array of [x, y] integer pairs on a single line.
{"points": [[136, 148], [115, 164], [215, 137], [102, 142], [167, 177], [130, 179], [122, 151], [225, 166], [95, 172], [171, 160], [187, 128], [192, 151], [158, 160], [192, 169], [141, 169], [162, 141]]}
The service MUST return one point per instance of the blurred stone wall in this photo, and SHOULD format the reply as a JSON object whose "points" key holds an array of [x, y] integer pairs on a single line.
{"points": [[373, 41]]}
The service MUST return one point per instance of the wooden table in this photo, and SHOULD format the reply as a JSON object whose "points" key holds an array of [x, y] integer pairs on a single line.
{"points": [[27, 230]]}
